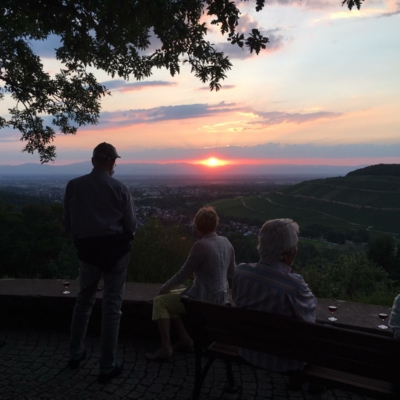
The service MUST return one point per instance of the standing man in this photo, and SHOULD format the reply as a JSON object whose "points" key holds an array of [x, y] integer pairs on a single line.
{"points": [[99, 212]]}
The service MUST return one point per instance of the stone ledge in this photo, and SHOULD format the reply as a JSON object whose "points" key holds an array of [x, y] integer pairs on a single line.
{"points": [[40, 303], [54, 288]]}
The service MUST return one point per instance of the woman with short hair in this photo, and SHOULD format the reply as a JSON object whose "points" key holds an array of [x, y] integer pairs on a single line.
{"points": [[211, 261]]}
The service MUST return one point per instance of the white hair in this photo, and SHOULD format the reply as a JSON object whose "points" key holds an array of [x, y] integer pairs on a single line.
{"points": [[276, 237]]}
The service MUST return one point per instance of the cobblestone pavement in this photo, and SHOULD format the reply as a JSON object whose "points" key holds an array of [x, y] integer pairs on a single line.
{"points": [[33, 366]]}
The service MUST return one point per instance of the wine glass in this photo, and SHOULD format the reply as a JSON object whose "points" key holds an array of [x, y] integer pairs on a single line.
{"points": [[66, 283], [382, 316], [332, 309]]}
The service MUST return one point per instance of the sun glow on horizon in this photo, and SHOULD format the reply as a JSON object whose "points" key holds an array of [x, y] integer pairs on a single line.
{"points": [[213, 162]]}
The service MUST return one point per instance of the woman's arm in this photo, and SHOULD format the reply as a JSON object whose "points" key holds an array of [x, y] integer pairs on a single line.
{"points": [[193, 262]]}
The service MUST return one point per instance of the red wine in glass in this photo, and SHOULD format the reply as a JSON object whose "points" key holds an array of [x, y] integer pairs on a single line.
{"points": [[332, 309], [382, 316], [66, 284]]}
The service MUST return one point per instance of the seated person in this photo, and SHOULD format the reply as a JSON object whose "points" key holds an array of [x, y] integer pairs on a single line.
{"points": [[211, 260], [271, 286], [394, 321]]}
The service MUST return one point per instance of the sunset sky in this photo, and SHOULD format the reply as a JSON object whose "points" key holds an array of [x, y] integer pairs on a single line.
{"points": [[326, 91]]}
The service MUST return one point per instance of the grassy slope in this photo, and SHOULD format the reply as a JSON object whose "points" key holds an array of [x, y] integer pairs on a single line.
{"points": [[363, 191]]}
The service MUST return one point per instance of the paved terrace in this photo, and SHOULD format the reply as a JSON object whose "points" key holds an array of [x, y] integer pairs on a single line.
{"points": [[34, 323]]}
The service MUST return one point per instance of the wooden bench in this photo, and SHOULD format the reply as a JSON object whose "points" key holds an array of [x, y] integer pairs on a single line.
{"points": [[342, 358]]}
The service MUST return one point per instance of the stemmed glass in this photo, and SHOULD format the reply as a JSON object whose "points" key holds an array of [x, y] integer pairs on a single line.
{"points": [[332, 309], [382, 316], [66, 283]]}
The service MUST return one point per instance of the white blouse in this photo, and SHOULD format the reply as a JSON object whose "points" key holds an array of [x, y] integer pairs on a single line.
{"points": [[211, 260]]}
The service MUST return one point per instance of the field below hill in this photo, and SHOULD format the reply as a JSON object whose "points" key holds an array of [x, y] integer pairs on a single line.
{"points": [[348, 203]]}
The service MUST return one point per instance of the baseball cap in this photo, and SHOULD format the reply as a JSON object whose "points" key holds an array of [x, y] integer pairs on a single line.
{"points": [[105, 151]]}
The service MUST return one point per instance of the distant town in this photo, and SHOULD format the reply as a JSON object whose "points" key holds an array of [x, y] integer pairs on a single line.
{"points": [[171, 199]]}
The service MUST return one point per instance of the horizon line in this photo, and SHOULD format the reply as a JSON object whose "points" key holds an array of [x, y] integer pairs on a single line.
{"points": [[228, 165]]}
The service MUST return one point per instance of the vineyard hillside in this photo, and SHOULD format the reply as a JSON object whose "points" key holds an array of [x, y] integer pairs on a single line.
{"points": [[343, 203]]}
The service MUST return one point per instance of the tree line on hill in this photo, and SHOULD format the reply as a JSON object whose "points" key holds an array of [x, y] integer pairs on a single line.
{"points": [[9, 196], [33, 244], [379, 169]]}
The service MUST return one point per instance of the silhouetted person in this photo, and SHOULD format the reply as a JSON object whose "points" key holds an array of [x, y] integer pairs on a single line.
{"points": [[99, 212], [271, 286]]}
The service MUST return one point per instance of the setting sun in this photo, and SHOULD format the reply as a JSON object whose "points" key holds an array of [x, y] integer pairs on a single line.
{"points": [[213, 162]]}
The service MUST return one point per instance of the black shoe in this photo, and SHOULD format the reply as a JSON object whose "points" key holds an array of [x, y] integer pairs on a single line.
{"points": [[105, 378], [2, 342], [74, 364]]}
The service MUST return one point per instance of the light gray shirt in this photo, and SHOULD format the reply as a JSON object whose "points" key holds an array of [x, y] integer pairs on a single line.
{"points": [[98, 205], [272, 287], [211, 260]]}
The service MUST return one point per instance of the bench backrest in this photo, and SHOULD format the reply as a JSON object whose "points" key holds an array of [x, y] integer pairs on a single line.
{"points": [[346, 350]]}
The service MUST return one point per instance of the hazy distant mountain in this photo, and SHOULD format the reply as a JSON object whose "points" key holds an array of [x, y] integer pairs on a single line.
{"points": [[175, 169], [32, 169]]}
